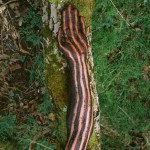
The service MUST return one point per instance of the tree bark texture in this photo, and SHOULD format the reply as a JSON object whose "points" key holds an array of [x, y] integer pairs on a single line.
{"points": [[56, 68]]}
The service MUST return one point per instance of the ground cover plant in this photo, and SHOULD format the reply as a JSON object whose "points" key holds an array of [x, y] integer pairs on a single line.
{"points": [[26, 118], [121, 54]]}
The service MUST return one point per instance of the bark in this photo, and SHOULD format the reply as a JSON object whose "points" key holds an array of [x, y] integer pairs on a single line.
{"points": [[56, 69]]}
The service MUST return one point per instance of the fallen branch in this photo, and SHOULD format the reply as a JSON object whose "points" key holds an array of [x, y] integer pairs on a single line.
{"points": [[119, 12], [39, 135]]}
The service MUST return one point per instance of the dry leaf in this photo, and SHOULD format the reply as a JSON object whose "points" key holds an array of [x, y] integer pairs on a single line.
{"points": [[51, 117], [34, 113], [23, 51], [2, 8], [15, 67], [137, 29], [3, 57], [14, 5], [12, 60], [15, 35], [146, 73], [20, 22]]}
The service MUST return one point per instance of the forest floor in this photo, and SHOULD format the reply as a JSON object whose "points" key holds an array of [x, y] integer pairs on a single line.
{"points": [[122, 70], [26, 114]]}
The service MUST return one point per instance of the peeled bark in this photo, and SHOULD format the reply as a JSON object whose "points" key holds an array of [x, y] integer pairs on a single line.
{"points": [[56, 67]]}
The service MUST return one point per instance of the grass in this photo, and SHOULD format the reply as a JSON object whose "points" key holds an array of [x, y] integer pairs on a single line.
{"points": [[120, 54], [7, 126]]}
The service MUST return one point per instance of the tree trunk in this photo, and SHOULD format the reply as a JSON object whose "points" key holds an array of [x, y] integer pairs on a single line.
{"points": [[56, 69]]}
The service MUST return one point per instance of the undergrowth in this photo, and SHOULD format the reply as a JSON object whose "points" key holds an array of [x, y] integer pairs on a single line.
{"points": [[121, 52], [23, 132], [7, 126], [32, 24]]}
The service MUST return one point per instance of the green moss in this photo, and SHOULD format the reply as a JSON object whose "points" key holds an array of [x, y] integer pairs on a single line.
{"points": [[62, 126], [56, 1], [94, 142], [46, 32], [56, 79], [85, 8]]}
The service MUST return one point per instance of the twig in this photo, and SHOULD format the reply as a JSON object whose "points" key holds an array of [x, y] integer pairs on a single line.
{"points": [[126, 114], [2, 42], [96, 29], [8, 2], [119, 13], [30, 3], [109, 131], [39, 135], [111, 81], [40, 145]]}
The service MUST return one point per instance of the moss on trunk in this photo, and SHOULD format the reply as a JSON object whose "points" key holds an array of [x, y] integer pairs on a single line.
{"points": [[57, 72]]}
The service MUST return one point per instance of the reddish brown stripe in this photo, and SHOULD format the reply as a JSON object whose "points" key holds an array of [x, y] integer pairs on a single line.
{"points": [[74, 50], [67, 50], [88, 119], [74, 47], [77, 30], [89, 123], [77, 102], [81, 81], [64, 22], [74, 64], [89, 101], [82, 111], [83, 25]]}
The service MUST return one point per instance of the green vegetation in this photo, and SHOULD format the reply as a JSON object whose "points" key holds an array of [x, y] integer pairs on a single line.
{"points": [[121, 55], [7, 126], [122, 58], [24, 124], [31, 25]]}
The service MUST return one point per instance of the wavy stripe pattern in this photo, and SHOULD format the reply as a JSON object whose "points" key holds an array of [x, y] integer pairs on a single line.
{"points": [[72, 42]]}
